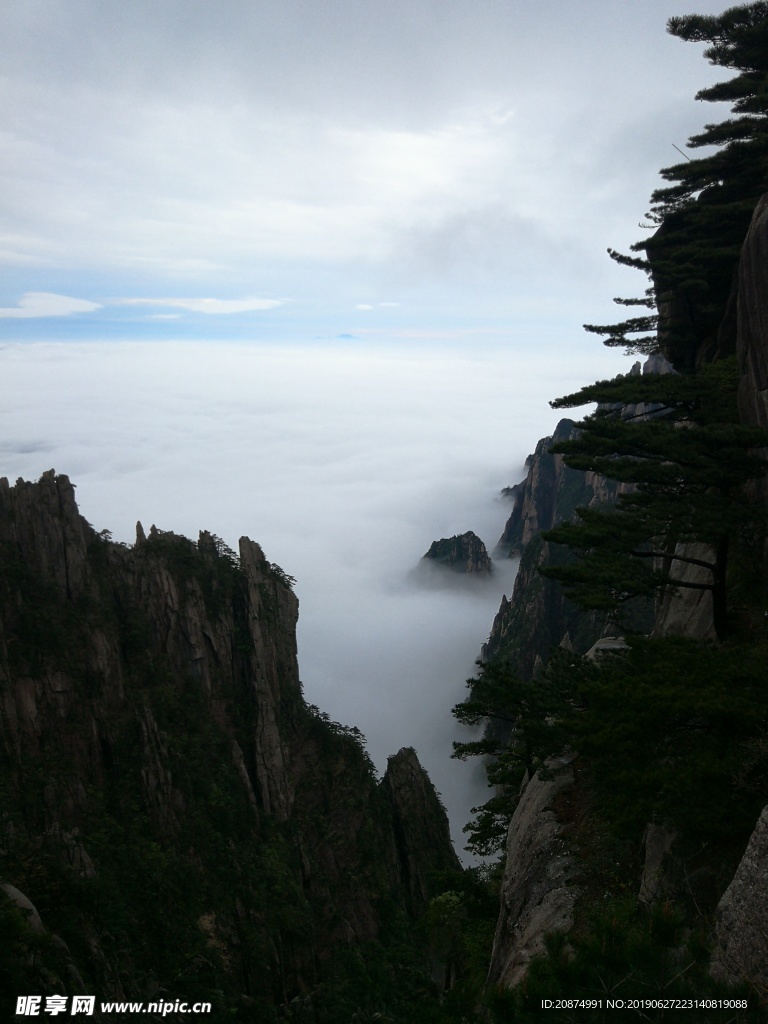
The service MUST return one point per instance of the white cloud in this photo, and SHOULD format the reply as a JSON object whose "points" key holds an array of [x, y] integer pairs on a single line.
{"points": [[472, 159], [212, 306], [344, 461], [44, 304], [333, 141]]}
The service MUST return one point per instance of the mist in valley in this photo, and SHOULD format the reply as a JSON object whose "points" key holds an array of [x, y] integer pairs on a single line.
{"points": [[384, 233], [344, 463]]}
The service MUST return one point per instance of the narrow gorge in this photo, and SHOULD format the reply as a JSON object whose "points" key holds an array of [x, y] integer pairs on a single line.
{"points": [[180, 825]]}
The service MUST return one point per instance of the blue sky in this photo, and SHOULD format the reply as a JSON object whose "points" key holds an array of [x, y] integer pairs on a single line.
{"points": [[303, 170]]}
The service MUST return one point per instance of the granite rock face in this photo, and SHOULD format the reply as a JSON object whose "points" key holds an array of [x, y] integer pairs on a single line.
{"points": [[741, 932], [539, 499], [55, 563], [157, 755], [463, 553], [752, 331], [537, 617], [540, 885], [421, 827], [539, 875], [689, 612]]}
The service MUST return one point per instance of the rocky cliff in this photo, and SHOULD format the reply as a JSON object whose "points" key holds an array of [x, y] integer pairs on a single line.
{"points": [[542, 880], [540, 884], [538, 617], [752, 331], [421, 827], [173, 817], [742, 915], [464, 553]]}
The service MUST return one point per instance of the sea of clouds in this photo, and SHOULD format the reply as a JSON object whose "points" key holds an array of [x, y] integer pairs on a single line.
{"points": [[344, 461]]}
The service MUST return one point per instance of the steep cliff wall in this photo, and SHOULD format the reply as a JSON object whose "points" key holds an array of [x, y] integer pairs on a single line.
{"points": [[538, 618], [752, 320], [177, 816], [742, 915], [421, 827], [540, 884]]}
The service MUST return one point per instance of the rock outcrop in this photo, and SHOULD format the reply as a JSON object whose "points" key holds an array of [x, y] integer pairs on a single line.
{"points": [[741, 931], [540, 884], [421, 826], [179, 816], [549, 493], [752, 330], [464, 553], [537, 617]]}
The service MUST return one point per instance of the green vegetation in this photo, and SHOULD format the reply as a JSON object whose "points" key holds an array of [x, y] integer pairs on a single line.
{"points": [[668, 731], [626, 954], [522, 730], [176, 877], [171, 874], [703, 216], [687, 458]]}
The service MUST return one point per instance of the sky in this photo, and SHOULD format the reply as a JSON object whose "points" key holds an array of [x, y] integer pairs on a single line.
{"points": [[308, 170], [310, 272]]}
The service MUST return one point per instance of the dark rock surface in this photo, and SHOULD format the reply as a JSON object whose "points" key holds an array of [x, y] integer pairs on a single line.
{"points": [[169, 803], [464, 553], [741, 932], [540, 884], [421, 827], [752, 332], [537, 617]]}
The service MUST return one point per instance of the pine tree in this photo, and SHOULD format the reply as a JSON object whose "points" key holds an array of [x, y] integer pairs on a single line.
{"points": [[686, 458], [704, 214], [521, 719]]}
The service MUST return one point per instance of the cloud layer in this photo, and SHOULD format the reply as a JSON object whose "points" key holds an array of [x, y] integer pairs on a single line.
{"points": [[432, 184], [35, 305], [344, 463], [457, 157], [211, 307]]}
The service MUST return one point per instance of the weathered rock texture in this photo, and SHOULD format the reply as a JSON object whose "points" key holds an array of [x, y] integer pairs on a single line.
{"points": [[540, 884], [421, 826], [541, 498], [464, 553], [538, 617], [687, 611], [741, 931], [658, 842], [176, 812], [539, 889], [752, 330], [742, 917]]}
